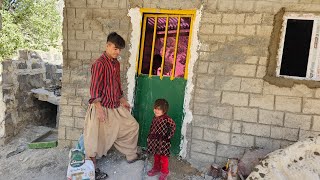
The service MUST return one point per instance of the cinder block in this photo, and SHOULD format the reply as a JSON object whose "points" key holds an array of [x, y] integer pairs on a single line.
{"points": [[264, 30], [227, 83], [236, 127], [76, 45], [73, 133], [225, 29], [242, 140], [207, 96], [251, 85], [246, 30], [208, 17], [197, 133], [110, 4], [63, 143], [230, 151], [311, 106], [61, 132], [200, 109], [248, 7], [217, 68], [83, 13], [252, 60], [224, 112], [206, 29], [205, 121], [292, 104], [267, 143], [224, 125], [79, 122], [78, 3], [200, 157], [66, 121], [244, 70], [203, 147], [79, 111], [74, 101], [246, 114], [75, 24], [216, 136], [203, 67], [84, 55], [226, 5], [65, 110], [253, 18], [205, 81], [83, 35], [264, 6], [271, 117], [262, 101], [94, 3], [256, 129], [297, 121], [284, 133], [83, 92], [234, 98], [233, 18], [79, 76], [268, 18]]}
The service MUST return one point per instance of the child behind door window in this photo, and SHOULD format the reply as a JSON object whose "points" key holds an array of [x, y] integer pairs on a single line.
{"points": [[161, 131]]}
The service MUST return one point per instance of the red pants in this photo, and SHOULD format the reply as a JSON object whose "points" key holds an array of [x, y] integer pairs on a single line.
{"points": [[161, 163]]}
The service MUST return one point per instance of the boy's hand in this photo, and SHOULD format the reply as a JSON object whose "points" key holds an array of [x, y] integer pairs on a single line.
{"points": [[125, 104]]}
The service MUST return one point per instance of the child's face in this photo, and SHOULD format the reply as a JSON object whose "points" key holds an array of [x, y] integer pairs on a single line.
{"points": [[158, 112]]}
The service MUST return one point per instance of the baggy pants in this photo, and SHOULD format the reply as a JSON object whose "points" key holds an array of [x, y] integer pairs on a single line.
{"points": [[119, 129]]}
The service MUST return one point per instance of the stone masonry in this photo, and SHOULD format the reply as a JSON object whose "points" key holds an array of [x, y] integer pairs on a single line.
{"points": [[18, 106], [234, 107]]}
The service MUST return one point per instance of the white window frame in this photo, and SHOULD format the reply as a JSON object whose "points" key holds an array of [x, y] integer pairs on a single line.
{"points": [[313, 71]]}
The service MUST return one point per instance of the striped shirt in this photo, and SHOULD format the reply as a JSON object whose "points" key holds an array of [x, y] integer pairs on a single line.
{"points": [[105, 82]]}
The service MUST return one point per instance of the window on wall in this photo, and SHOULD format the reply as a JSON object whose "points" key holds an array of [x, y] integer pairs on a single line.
{"points": [[299, 52], [165, 45]]}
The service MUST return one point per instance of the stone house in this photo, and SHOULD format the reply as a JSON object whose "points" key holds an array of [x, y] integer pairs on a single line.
{"points": [[240, 88]]}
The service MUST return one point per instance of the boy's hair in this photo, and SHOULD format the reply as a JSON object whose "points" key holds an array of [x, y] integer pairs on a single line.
{"points": [[161, 104], [117, 40]]}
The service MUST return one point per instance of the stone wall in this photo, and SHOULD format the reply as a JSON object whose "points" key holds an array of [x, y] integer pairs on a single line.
{"points": [[18, 106], [234, 106]]}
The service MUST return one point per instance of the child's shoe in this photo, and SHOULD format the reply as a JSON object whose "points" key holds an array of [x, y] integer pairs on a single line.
{"points": [[153, 172], [163, 176]]}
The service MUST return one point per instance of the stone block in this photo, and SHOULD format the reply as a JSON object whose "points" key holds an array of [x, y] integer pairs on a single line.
{"points": [[245, 70], [242, 140], [252, 60], [197, 133], [205, 81], [303, 134], [73, 133], [256, 129], [200, 109], [63, 100], [236, 127], [75, 24], [217, 68], [225, 29], [110, 4], [205, 121], [227, 83], [79, 111], [83, 13], [22, 65], [83, 55], [75, 45], [263, 61], [83, 35], [93, 25], [262, 101], [203, 67], [297, 121], [63, 143], [71, 35], [61, 132], [224, 125], [217, 38], [284, 133], [79, 122], [224, 112], [226, 5], [230, 151], [246, 30], [311, 106], [316, 123], [233, 18], [65, 110], [264, 30], [74, 100], [253, 18], [271, 117], [78, 3], [94, 3], [201, 157], [100, 13], [268, 18], [206, 29], [234, 98], [246, 114], [216, 136], [267, 143], [284, 103], [248, 7], [208, 17], [79, 76], [66, 121], [251, 85], [83, 92], [203, 147], [207, 96], [71, 13], [264, 6], [297, 90]]}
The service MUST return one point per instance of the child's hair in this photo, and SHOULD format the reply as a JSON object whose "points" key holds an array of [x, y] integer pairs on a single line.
{"points": [[161, 104], [117, 40]]}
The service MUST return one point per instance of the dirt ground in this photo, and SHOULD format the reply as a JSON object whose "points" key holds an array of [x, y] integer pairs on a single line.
{"points": [[51, 164]]}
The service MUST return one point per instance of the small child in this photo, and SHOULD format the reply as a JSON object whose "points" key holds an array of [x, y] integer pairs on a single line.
{"points": [[161, 131]]}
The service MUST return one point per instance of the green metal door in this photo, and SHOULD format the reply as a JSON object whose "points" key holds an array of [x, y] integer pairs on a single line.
{"points": [[162, 70]]}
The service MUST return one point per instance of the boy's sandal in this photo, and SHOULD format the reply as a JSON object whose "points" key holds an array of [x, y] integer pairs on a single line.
{"points": [[100, 175]]}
